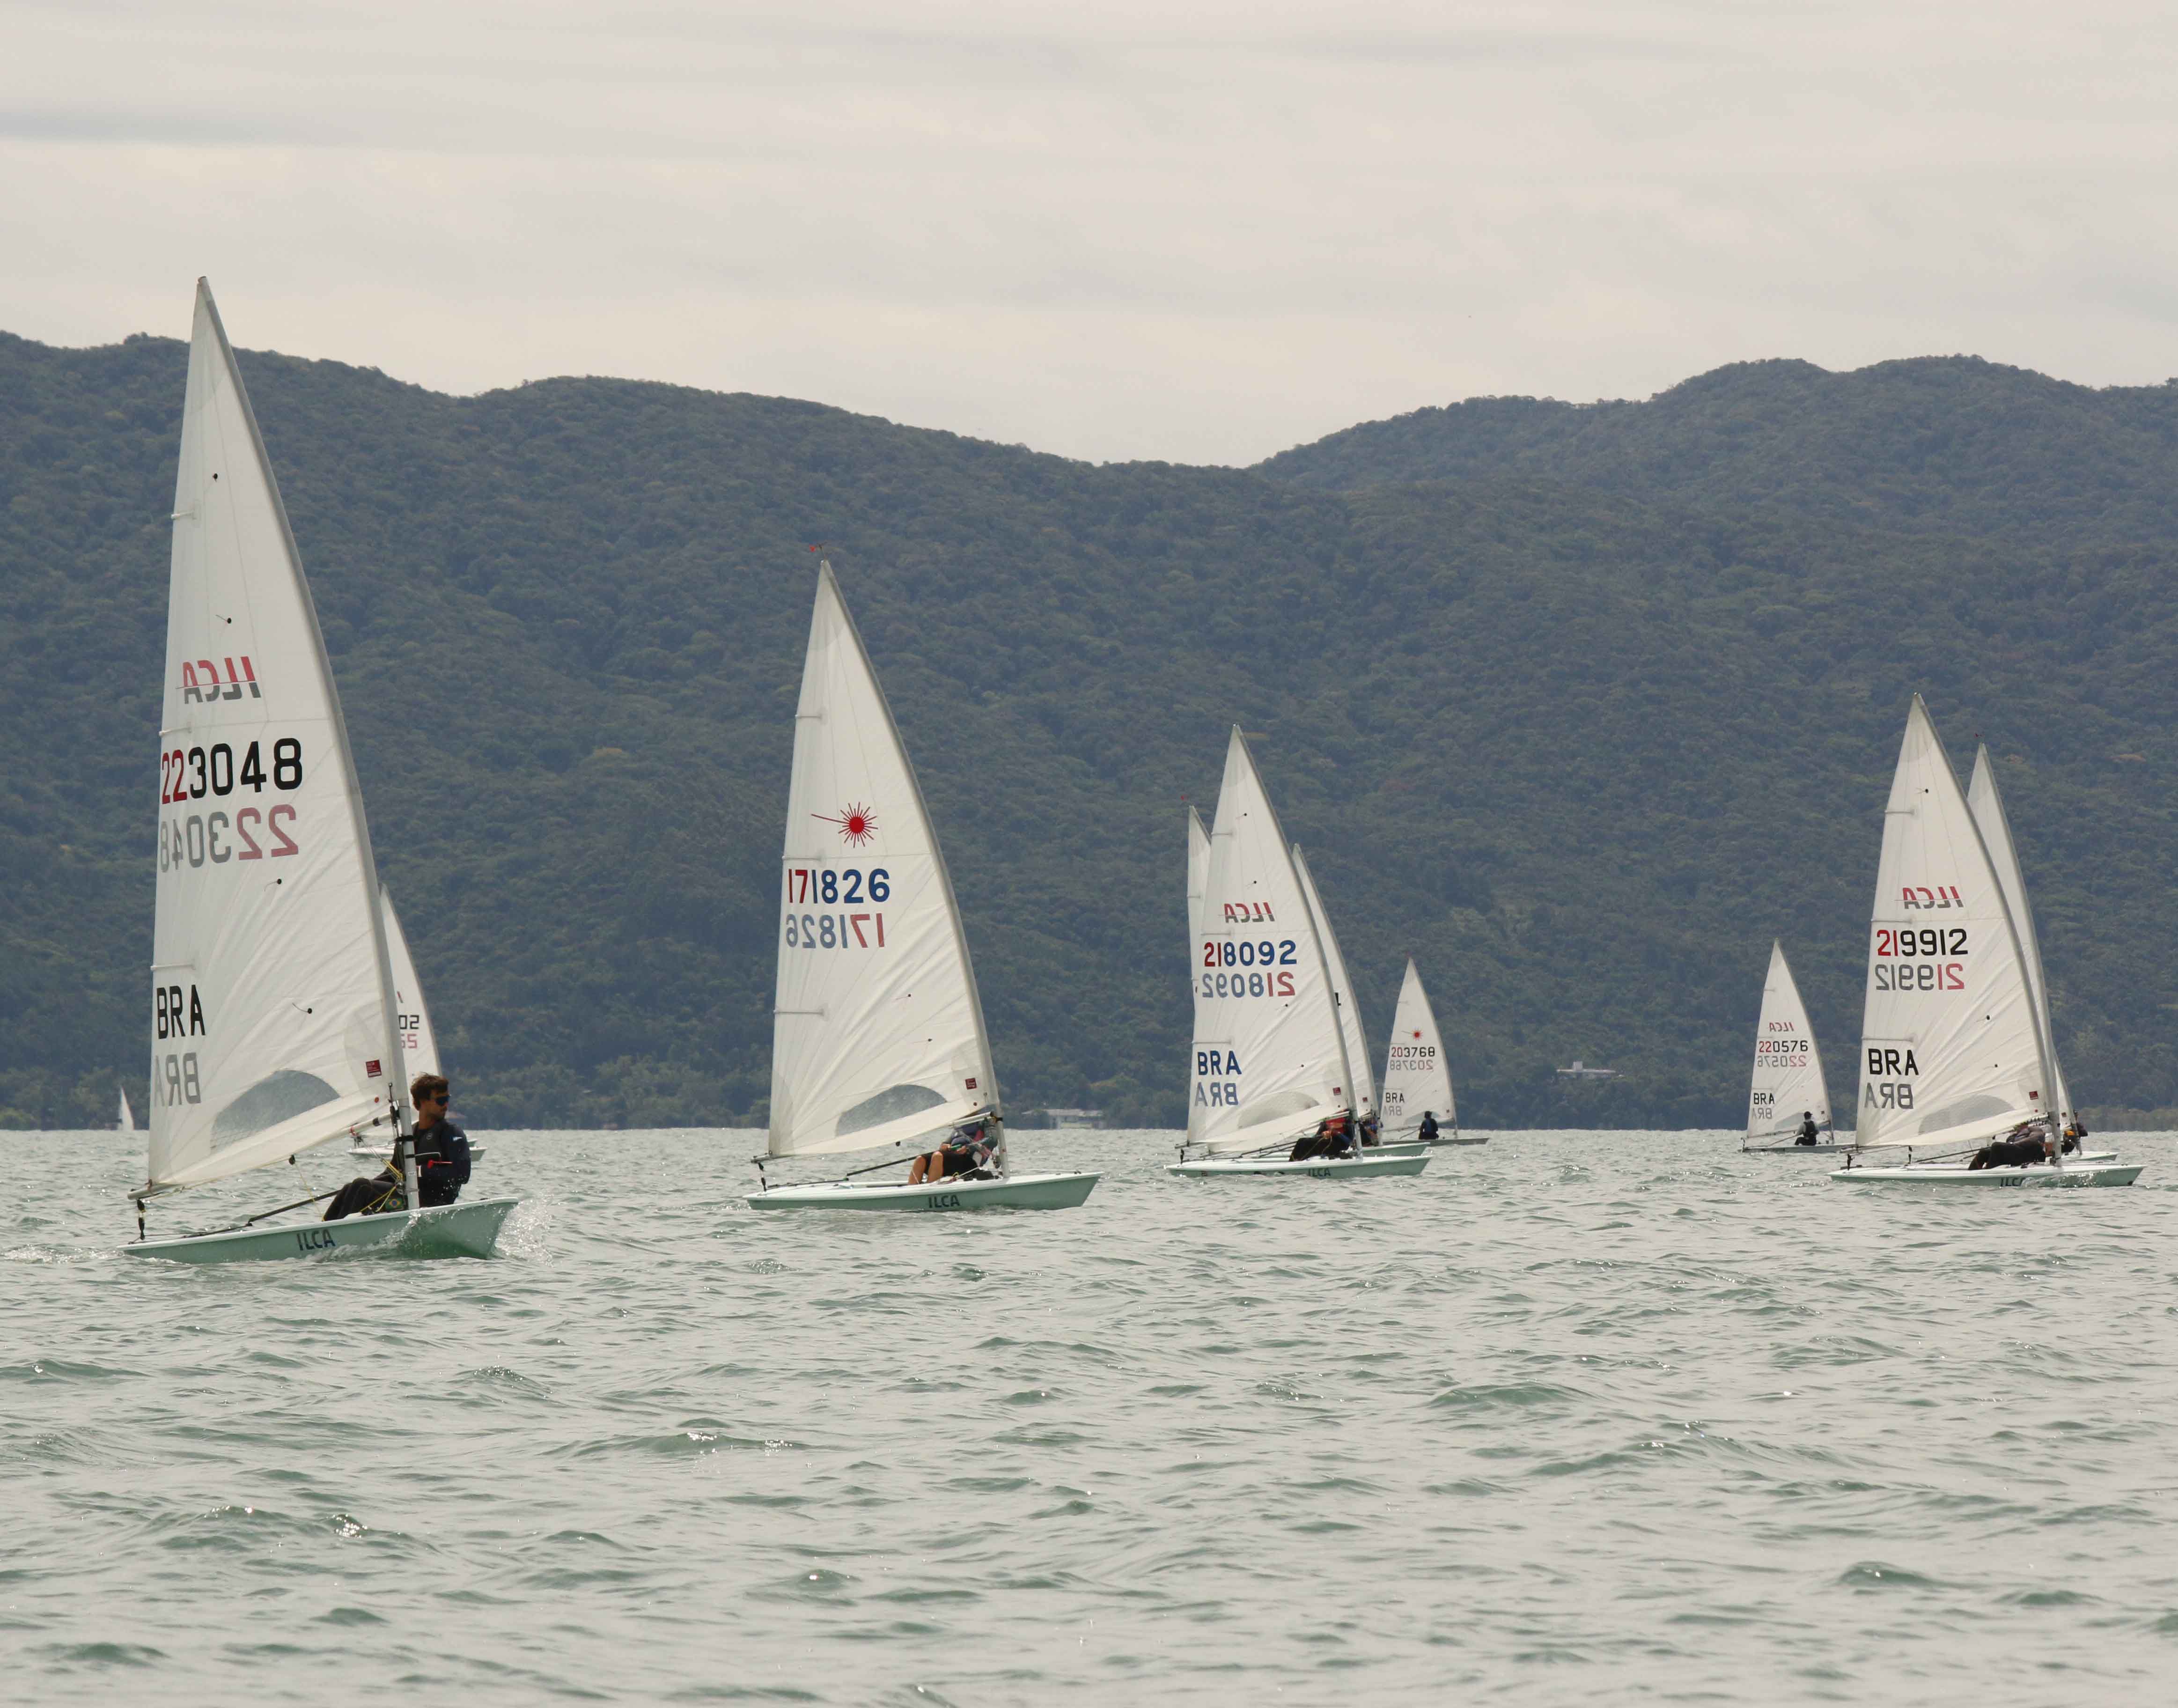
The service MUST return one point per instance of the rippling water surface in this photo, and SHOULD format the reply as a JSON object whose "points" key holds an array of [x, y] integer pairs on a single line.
{"points": [[1573, 1417]]}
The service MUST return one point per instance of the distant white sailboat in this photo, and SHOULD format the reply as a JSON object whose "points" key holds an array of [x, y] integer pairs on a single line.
{"points": [[1787, 1086], [126, 1123], [1270, 1046], [1954, 1050], [272, 1001], [877, 1033], [1417, 1073]]}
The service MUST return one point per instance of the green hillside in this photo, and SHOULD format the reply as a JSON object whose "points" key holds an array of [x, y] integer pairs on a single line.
{"points": [[1952, 445], [1580, 745]]}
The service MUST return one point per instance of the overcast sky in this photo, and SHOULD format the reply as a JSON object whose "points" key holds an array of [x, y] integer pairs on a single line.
{"points": [[1200, 232]]}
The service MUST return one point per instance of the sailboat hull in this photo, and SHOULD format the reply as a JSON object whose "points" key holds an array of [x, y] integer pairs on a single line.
{"points": [[2073, 1174], [1013, 1192], [1792, 1150], [1314, 1168], [451, 1230]]}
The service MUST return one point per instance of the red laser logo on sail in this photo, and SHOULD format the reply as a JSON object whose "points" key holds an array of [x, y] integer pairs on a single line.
{"points": [[856, 823]]}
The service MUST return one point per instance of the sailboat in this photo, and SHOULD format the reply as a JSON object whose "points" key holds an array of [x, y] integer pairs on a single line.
{"points": [[126, 1123], [878, 1035], [1417, 1075], [1788, 1085], [1271, 1050], [1362, 1087], [1954, 1049], [272, 996]]}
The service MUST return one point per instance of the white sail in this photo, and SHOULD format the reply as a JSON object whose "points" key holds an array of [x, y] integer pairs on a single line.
{"points": [[1987, 809], [273, 1004], [1270, 1058], [1198, 871], [1788, 1069], [879, 1033], [1417, 1075], [126, 1123], [1951, 1049], [1362, 1084], [419, 1044]]}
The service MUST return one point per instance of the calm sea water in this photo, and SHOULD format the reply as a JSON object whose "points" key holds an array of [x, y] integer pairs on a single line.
{"points": [[1575, 1417]]}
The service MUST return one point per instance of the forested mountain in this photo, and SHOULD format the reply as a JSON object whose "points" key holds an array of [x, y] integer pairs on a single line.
{"points": [[1580, 737], [1946, 445]]}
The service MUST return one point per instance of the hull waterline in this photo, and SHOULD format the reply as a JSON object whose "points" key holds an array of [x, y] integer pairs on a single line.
{"points": [[450, 1230], [1013, 1192]]}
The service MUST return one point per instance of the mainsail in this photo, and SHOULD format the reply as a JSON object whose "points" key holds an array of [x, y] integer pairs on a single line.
{"points": [[419, 1044], [1270, 1058], [272, 1002], [1417, 1076], [1951, 1046], [126, 1123], [878, 1036], [1788, 1068], [1362, 1083], [1987, 809]]}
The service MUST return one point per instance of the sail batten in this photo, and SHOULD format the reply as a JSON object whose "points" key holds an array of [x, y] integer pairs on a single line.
{"points": [[878, 1029], [1952, 1049], [273, 1004], [1417, 1073], [1788, 1081], [1269, 1053]]}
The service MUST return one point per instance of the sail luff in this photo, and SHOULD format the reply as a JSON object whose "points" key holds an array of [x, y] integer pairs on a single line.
{"points": [[1360, 1080], [1986, 802], [1198, 871]]}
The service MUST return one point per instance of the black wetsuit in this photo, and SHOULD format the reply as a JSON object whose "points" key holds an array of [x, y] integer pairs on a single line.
{"points": [[2008, 1153], [1428, 1133], [1807, 1134], [442, 1163]]}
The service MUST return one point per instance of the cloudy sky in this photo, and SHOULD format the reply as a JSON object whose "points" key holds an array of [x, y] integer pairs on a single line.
{"points": [[1198, 232]]}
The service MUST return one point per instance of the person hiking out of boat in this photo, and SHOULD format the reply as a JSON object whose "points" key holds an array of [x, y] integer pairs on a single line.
{"points": [[968, 1152], [442, 1161], [1427, 1131], [1808, 1135], [1364, 1129], [2074, 1132], [1330, 1139], [2024, 1145]]}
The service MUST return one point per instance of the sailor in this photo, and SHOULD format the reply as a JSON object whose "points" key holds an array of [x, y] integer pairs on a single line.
{"points": [[442, 1149], [2024, 1145], [1428, 1129], [1364, 1129], [2074, 1132], [1330, 1139], [442, 1161], [967, 1151], [1807, 1134]]}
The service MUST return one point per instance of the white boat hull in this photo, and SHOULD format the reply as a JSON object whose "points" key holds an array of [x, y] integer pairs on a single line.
{"points": [[1792, 1150], [1012, 1192], [449, 1230], [1314, 1168], [2074, 1174]]}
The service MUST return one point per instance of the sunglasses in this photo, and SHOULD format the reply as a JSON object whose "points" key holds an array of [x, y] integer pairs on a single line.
{"points": [[440, 1097]]}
